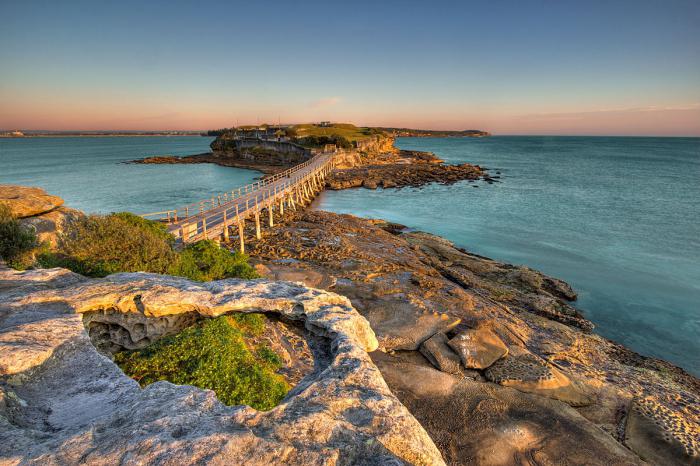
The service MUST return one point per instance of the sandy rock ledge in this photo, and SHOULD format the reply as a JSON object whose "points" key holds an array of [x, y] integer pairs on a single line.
{"points": [[63, 402]]}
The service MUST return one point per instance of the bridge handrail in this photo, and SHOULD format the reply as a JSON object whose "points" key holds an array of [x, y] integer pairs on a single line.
{"points": [[196, 208], [231, 210]]}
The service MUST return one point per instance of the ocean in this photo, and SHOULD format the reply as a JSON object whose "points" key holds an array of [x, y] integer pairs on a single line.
{"points": [[89, 173], [618, 218]]}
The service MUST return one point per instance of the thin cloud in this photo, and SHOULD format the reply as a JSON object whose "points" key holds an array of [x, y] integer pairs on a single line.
{"points": [[608, 111], [327, 102]]}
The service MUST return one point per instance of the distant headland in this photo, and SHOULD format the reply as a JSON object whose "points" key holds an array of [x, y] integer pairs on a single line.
{"points": [[324, 128]]}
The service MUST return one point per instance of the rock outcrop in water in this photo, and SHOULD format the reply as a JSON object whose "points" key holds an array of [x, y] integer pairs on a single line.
{"points": [[62, 402]]}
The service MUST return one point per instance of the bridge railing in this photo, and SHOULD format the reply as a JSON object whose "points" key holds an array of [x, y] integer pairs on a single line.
{"points": [[200, 207], [212, 223]]}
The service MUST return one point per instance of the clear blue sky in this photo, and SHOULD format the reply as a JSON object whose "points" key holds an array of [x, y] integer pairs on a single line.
{"points": [[543, 67]]}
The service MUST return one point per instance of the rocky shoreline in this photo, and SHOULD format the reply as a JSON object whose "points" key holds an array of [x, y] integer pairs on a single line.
{"points": [[209, 157], [538, 369], [402, 168], [472, 361]]}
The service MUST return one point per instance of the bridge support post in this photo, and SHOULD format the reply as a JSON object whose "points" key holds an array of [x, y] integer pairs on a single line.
{"points": [[269, 212], [204, 227], [257, 224], [282, 205], [240, 235], [225, 227]]}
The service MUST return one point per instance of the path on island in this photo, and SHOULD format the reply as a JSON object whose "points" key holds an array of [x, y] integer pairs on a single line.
{"points": [[214, 218]]}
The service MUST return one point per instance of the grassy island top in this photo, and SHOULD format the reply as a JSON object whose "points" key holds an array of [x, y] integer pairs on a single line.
{"points": [[346, 130]]}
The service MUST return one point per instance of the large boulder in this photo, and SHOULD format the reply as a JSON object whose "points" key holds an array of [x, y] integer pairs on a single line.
{"points": [[440, 355], [63, 402], [26, 201]]}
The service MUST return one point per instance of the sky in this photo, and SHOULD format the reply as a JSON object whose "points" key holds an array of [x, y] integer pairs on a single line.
{"points": [[509, 67]]}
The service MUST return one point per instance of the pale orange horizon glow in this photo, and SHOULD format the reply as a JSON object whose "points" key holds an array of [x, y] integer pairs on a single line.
{"points": [[62, 114]]}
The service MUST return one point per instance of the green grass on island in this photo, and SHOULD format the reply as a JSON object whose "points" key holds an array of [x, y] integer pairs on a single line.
{"points": [[217, 354], [346, 130]]}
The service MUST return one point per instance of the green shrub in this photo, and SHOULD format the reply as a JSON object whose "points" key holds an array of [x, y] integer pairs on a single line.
{"points": [[206, 260], [320, 141], [100, 245], [17, 242], [213, 354]]}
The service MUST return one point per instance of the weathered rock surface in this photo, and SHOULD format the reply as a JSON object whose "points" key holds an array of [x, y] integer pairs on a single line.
{"points": [[661, 435], [528, 373], [62, 402], [485, 424], [26, 201], [478, 348], [50, 224], [394, 278]]}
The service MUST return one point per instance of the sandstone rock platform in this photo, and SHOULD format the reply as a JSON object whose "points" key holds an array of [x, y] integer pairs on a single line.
{"points": [[63, 402]]}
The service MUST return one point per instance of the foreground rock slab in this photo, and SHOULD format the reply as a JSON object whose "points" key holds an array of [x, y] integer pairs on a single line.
{"points": [[496, 425], [63, 402]]}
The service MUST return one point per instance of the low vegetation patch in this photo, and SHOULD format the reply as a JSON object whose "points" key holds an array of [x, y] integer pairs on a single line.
{"points": [[17, 241], [216, 354], [346, 131], [320, 141], [99, 245]]}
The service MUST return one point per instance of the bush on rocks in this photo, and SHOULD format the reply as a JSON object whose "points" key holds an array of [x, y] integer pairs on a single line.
{"points": [[99, 245], [206, 260], [215, 354], [17, 241]]}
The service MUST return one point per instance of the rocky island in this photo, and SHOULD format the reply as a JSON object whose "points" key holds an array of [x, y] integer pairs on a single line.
{"points": [[398, 346], [367, 156]]}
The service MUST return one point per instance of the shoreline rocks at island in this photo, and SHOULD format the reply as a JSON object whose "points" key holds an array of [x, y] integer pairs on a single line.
{"points": [[374, 166]]}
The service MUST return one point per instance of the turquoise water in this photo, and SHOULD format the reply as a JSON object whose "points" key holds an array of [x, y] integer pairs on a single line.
{"points": [[618, 218], [87, 171]]}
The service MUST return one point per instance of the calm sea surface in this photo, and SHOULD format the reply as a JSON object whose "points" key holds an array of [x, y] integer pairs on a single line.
{"points": [[618, 218], [87, 171]]}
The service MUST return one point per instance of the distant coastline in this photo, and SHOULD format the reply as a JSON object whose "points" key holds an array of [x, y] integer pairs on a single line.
{"points": [[96, 134]]}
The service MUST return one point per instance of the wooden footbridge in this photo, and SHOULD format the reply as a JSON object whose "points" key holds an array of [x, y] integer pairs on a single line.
{"points": [[217, 217]]}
